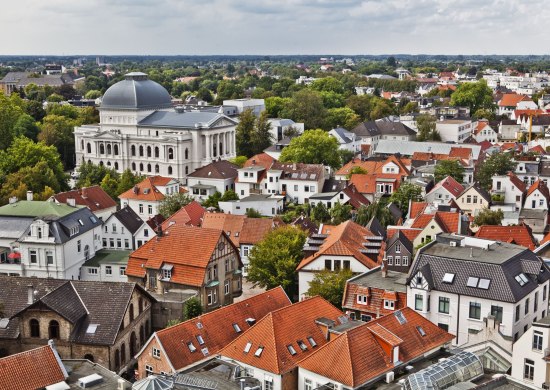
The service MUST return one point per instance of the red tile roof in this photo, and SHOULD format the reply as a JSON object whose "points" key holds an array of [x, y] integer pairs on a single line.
{"points": [[517, 182], [447, 220], [512, 99], [345, 239], [519, 235], [262, 159], [422, 221], [147, 190], [411, 234], [94, 197], [239, 228], [464, 153], [359, 352], [537, 149], [539, 185], [417, 208], [30, 370], [279, 329], [451, 185], [217, 327], [190, 214]]}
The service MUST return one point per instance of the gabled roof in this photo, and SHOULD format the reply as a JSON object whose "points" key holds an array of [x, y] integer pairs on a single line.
{"points": [[190, 214], [410, 233], [394, 128], [451, 185], [239, 228], [516, 181], [128, 217], [221, 169], [403, 239], [519, 235], [346, 239], [94, 197], [416, 209], [356, 199], [33, 369], [512, 99], [359, 352], [537, 149], [146, 190], [279, 329], [217, 327], [37, 208], [479, 190], [368, 129], [448, 221], [543, 189], [464, 153]]}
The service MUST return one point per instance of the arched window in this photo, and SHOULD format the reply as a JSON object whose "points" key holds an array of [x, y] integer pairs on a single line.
{"points": [[131, 311], [89, 161], [108, 163], [140, 305], [141, 166], [157, 152], [53, 330], [186, 153], [116, 149], [141, 151], [35, 327], [123, 353], [87, 252], [101, 149], [170, 154], [81, 144], [89, 357], [133, 150], [116, 166], [169, 170], [157, 168], [148, 151], [88, 148], [117, 360], [101, 163], [133, 166], [109, 149], [186, 170], [148, 167]]}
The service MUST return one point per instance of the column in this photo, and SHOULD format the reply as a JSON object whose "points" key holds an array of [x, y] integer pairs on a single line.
{"points": [[208, 153]]}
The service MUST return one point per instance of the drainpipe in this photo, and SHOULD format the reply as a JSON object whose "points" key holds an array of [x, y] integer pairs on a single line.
{"points": [[457, 320]]}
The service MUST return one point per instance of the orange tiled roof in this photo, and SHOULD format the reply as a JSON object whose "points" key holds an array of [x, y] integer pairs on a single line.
{"points": [[516, 181], [428, 156], [451, 185], [422, 221], [147, 190], [539, 185], [217, 327], [512, 99], [262, 159], [375, 167], [345, 239], [190, 214], [255, 229], [459, 152], [519, 235], [448, 221], [29, 370], [375, 303], [279, 329], [417, 208], [411, 234], [480, 126], [537, 149], [359, 353], [94, 197], [239, 228]]}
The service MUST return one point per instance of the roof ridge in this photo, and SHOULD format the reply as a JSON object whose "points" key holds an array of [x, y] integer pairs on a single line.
{"points": [[79, 297]]}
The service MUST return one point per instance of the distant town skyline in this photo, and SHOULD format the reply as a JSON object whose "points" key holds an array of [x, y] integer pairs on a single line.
{"points": [[271, 27]]}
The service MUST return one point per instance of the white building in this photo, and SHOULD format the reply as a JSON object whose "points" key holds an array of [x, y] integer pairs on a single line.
{"points": [[106, 266], [266, 205], [346, 139], [508, 190], [455, 130], [457, 281], [256, 105], [280, 126], [145, 197], [141, 131], [120, 228], [218, 176]]}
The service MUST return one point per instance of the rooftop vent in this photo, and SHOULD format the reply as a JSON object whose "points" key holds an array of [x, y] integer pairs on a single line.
{"points": [[90, 380]]}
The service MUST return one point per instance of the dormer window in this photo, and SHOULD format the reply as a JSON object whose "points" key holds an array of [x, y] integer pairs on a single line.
{"points": [[390, 305]]}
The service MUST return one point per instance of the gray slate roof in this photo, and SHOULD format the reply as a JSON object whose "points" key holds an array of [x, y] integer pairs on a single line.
{"points": [[500, 264], [136, 92], [407, 148], [184, 120], [394, 281], [367, 129], [394, 128], [128, 218]]}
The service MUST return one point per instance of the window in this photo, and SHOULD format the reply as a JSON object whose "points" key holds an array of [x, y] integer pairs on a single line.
{"points": [[122, 271], [247, 347], [362, 299], [405, 261], [421, 331], [210, 298], [389, 304], [418, 302], [444, 303], [167, 273], [390, 260], [259, 351], [337, 264], [537, 340], [268, 383], [445, 327], [311, 342], [49, 257], [521, 279], [472, 281], [302, 345], [475, 310], [53, 329], [148, 370], [150, 209], [156, 353], [308, 385], [113, 227], [126, 243], [346, 264], [145, 232], [529, 369], [237, 328], [397, 248], [111, 242], [170, 153], [291, 349], [544, 293], [328, 265], [397, 260], [92, 271], [536, 302], [448, 278], [141, 208], [35, 327], [518, 309], [191, 347], [200, 339], [496, 311], [527, 306], [226, 287]]}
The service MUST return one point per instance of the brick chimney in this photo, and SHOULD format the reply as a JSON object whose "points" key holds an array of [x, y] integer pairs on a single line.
{"points": [[384, 268], [84, 192]]}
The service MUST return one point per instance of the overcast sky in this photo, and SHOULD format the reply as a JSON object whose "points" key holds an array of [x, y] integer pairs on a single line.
{"points": [[150, 27]]}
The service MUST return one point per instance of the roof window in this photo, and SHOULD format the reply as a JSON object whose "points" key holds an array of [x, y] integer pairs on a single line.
{"points": [[302, 345], [400, 317], [448, 278], [199, 325], [291, 349], [421, 331], [484, 284], [91, 328], [247, 347], [521, 279], [472, 281], [200, 339], [311, 342], [259, 351], [80, 222], [237, 328], [191, 347]]}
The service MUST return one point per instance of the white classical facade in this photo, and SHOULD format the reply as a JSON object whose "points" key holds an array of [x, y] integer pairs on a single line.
{"points": [[141, 131]]}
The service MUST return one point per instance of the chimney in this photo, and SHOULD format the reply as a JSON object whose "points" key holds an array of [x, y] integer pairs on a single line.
{"points": [[13, 200], [121, 385], [71, 202], [84, 192], [29, 195], [384, 268], [253, 162], [30, 294], [136, 189]]}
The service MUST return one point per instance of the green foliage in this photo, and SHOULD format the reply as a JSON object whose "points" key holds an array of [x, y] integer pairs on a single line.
{"points": [[489, 217], [58, 130], [54, 98], [253, 133], [484, 113], [320, 213], [38, 178], [474, 95], [93, 94], [330, 285], [9, 115], [306, 106], [313, 147], [238, 160], [341, 117], [274, 105], [172, 203], [451, 168], [340, 213], [27, 127], [405, 193], [261, 136], [192, 308], [90, 174], [273, 260], [346, 155], [328, 84], [382, 108], [357, 170], [127, 180], [495, 164], [109, 184], [376, 209], [253, 213], [426, 125], [212, 200]]}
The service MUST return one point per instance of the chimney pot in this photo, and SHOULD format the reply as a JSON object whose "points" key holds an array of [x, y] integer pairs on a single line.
{"points": [[71, 202], [29, 195]]}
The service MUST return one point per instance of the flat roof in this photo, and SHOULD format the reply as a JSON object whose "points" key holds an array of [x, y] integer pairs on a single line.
{"points": [[79, 368], [498, 253], [36, 208], [394, 281], [108, 256]]}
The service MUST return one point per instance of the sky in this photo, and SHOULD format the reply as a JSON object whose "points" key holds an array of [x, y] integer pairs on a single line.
{"points": [[202, 27]]}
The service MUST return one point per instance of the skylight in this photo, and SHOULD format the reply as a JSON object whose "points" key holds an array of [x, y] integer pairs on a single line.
{"points": [[247, 347], [200, 339], [484, 284], [199, 325], [291, 349], [302, 345], [472, 281], [205, 351], [91, 328], [400, 317], [311, 342], [4, 323], [421, 331], [191, 347], [93, 219], [448, 278], [80, 222], [521, 279], [237, 328], [259, 351]]}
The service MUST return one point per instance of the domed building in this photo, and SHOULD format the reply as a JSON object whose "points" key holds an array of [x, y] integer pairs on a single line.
{"points": [[140, 129]]}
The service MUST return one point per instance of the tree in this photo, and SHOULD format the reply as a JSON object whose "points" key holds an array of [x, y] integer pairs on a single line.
{"points": [[91, 174], [488, 217], [40, 179], [451, 168], [291, 132], [328, 84], [341, 117], [405, 193], [243, 133], [192, 308], [313, 147], [239, 160], [54, 98], [274, 259], [379, 210], [473, 95], [330, 285], [306, 106], [127, 180], [253, 213], [426, 125], [381, 109], [356, 170], [495, 164], [172, 203], [340, 213], [27, 127], [320, 213], [274, 105], [9, 115], [261, 136], [212, 200], [109, 185], [346, 156], [58, 130], [93, 94]]}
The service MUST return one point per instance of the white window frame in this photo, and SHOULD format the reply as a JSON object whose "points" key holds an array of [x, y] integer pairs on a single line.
{"points": [[156, 352]]}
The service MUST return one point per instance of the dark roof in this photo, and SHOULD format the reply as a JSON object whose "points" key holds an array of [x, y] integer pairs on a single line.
{"points": [[403, 240], [188, 120], [480, 190], [66, 302], [394, 128], [128, 218], [501, 263], [376, 227], [333, 185], [342, 134], [367, 129], [221, 169], [136, 92]]}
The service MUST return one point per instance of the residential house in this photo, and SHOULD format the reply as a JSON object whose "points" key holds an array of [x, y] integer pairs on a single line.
{"points": [[527, 168], [457, 281], [518, 235], [346, 246], [120, 228], [47, 239], [218, 176], [173, 260], [485, 132], [104, 322], [511, 102], [369, 133], [393, 165], [537, 196], [371, 352], [508, 130], [474, 199], [148, 230], [436, 223], [191, 215], [243, 232], [108, 265], [399, 252], [94, 198], [266, 205], [338, 191], [347, 140], [530, 355], [536, 220], [444, 191], [392, 130], [144, 198], [455, 130], [375, 293], [191, 342], [271, 349], [386, 148], [279, 127], [507, 190]]}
